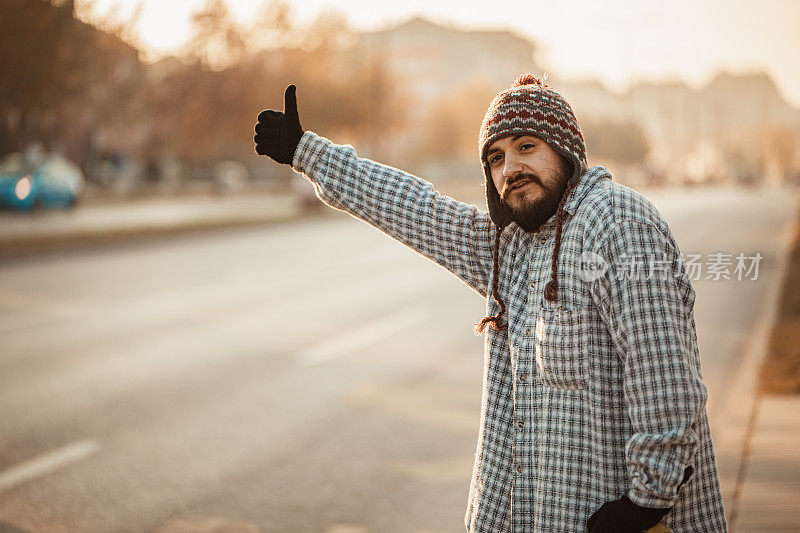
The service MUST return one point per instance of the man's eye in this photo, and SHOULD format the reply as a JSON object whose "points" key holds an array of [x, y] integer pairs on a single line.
{"points": [[494, 159], [524, 145]]}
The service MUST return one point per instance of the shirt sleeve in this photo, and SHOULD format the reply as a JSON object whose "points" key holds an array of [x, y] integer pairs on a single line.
{"points": [[456, 235], [647, 303]]}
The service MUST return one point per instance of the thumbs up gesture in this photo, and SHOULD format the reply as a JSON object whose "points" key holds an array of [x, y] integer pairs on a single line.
{"points": [[277, 134]]}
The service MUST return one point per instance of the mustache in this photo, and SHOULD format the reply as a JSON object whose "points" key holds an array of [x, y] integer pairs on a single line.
{"points": [[522, 179]]}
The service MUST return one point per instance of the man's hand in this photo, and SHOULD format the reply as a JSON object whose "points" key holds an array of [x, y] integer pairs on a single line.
{"points": [[624, 516], [277, 134]]}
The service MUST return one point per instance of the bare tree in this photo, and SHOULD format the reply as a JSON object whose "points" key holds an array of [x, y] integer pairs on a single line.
{"points": [[216, 40]]}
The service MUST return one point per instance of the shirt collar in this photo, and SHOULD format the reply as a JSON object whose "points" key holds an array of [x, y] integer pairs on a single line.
{"points": [[585, 184]]}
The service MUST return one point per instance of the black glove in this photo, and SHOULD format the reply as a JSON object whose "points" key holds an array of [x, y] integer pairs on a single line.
{"points": [[624, 516], [277, 134]]}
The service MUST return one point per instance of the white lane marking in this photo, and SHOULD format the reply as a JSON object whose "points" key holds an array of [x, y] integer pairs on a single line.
{"points": [[39, 466], [365, 335]]}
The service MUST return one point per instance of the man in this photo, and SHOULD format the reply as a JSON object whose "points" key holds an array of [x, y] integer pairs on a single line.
{"points": [[593, 414]]}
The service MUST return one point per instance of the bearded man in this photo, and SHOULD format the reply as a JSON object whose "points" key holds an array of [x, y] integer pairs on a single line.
{"points": [[594, 407]]}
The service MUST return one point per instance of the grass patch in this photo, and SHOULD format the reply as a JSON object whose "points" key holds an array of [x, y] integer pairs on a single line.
{"points": [[780, 373]]}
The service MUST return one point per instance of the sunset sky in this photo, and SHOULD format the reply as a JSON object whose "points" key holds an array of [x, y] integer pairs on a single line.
{"points": [[616, 41]]}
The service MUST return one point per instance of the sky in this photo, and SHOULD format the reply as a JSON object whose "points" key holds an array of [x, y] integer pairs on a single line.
{"points": [[618, 42]]}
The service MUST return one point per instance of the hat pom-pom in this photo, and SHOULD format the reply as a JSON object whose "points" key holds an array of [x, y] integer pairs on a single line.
{"points": [[530, 79]]}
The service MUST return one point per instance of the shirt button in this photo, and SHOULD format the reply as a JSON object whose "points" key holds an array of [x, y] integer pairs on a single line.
{"points": [[519, 468], [520, 424], [523, 377], [528, 331]]}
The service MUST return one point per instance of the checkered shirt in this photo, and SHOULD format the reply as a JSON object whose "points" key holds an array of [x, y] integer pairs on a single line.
{"points": [[597, 395]]}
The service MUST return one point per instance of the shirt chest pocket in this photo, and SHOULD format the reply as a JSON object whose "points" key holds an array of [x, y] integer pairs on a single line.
{"points": [[560, 344]]}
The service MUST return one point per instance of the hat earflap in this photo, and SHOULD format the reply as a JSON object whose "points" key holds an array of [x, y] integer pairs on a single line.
{"points": [[496, 211]]}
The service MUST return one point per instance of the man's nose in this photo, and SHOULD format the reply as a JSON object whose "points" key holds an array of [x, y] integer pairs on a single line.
{"points": [[512, 167]]}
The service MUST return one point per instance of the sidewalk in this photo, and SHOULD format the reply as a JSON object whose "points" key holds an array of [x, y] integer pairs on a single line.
{"points": [[22, 232], [769, 498], [757, 437], [768, 488]]}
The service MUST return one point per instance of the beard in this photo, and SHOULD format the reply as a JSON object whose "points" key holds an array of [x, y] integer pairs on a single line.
{"points": [[530, 213]]}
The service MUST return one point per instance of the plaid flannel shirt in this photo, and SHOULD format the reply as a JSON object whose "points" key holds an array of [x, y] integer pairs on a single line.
{"points": [[584, 400]]}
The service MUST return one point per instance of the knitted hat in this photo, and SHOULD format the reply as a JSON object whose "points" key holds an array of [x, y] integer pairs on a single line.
{"points": [[529, 107]]}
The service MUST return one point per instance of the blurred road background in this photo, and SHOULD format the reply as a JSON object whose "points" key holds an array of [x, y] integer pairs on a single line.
{"points": [[190, 342], [308, 376]]}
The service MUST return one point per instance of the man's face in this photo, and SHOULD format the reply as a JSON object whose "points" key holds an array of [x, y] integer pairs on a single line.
{"points": [[530, 177]]}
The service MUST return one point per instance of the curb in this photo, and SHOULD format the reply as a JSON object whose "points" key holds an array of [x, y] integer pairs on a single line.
{"points": [[737, 420], [59, 231]]}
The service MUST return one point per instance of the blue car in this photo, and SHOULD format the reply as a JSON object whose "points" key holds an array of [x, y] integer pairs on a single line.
{"points": [[52, 182]]}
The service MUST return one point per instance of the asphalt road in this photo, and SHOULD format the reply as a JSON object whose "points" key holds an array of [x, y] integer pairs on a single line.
{"points": [[314, 376]]}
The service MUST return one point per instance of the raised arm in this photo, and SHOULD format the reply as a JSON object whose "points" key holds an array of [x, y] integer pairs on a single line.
{"points": [[456, 235]]}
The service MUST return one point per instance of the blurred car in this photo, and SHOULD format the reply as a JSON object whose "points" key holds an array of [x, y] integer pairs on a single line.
{"points": [[51, 182]]}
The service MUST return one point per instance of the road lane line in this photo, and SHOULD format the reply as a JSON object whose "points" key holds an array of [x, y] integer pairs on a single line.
{"points": [[366, 334], [45, 463]]}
